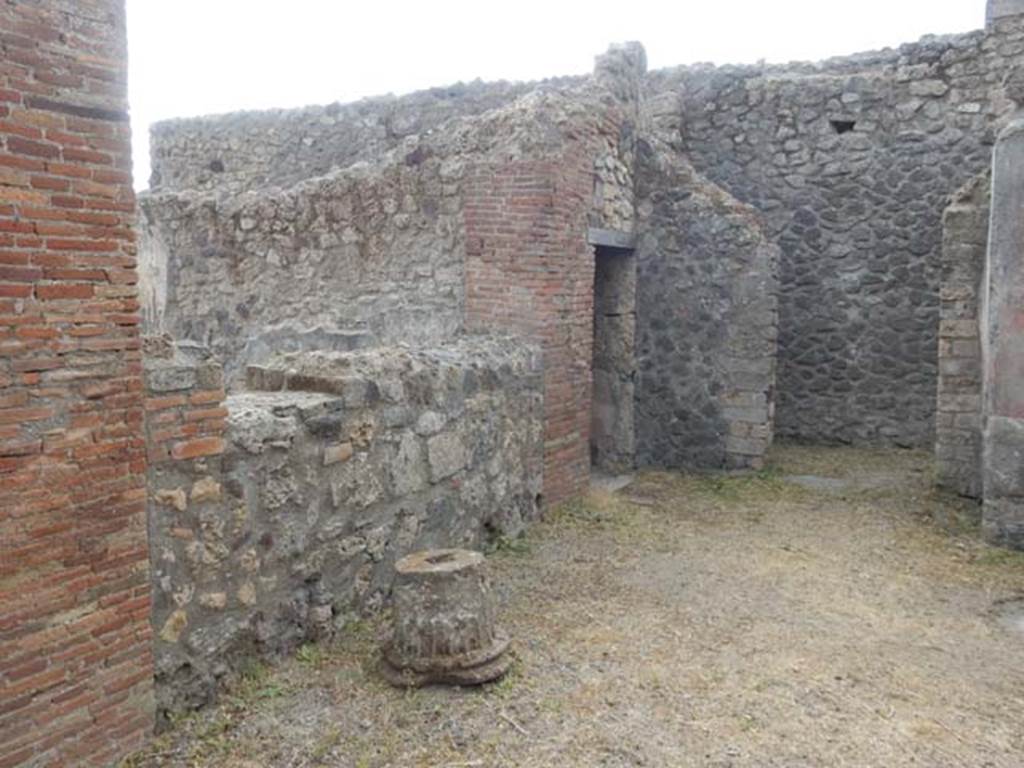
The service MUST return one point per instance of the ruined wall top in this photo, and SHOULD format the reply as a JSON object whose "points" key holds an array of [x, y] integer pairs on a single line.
{"points": [[928, 50], [247, 150], [998, 9]]}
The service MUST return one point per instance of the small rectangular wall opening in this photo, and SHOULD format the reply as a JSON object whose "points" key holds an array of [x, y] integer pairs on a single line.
{"points": [[612, 444]]}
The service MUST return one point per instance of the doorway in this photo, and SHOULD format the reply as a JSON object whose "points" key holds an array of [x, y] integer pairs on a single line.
{"points": [[612, 445]]}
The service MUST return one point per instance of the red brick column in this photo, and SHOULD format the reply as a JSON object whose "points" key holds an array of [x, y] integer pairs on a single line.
{"points": [[75, 639], [530, 270]]}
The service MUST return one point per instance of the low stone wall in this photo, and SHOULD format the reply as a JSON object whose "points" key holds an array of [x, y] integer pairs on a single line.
{"points": [[335, 465], [958, 420]]}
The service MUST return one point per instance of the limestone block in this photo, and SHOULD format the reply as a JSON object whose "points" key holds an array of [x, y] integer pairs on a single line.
{"points": [[408, 470], [338, 453], [170, 378], [206, 489], [174, 626], [172, 498], [216, 601], [429, 423], [447, 455]]}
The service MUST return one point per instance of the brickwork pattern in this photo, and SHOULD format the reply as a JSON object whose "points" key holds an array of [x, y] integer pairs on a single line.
{"points": [[529, 269], [75, 656]]}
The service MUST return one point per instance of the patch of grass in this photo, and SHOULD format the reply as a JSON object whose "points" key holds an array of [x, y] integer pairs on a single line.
{"points": [[160, 745], [255, 682], [994, 557], [743, 488], [507, 685], [517, 546], [574, 512], [325, 744], [747, 723], [213, 741], [311, 655], [598, 508]]}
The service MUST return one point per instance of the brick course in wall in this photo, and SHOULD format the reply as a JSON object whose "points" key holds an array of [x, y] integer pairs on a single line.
{"points": [[75, 656], [529, 269]]}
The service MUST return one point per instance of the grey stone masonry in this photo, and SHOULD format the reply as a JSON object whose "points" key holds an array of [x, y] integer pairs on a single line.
{"points": [[706, 321], [336, 465], [369, 255], [249, 150], [852, 162], [958, 419]]}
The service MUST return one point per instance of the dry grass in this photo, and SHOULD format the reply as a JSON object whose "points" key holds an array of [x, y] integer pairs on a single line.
{"points": [[690, 621]]}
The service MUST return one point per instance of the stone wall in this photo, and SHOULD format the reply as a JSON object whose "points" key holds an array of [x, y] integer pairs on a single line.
{"points": [[75, 648], [706, 321], [335, 465], [186, 421], [249, 150], [852, 161], [483, 223], [368, 255], [958, 421]]}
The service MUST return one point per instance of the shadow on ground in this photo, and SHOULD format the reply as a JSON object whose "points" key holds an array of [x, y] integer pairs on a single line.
{"points": [[833, 610]]}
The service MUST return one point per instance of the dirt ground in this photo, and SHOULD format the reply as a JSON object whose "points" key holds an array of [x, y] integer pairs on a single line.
{"points": [[831, 611]]}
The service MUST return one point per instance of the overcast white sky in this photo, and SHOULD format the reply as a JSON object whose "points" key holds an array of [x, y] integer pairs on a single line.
{"points": [[193, 57]]}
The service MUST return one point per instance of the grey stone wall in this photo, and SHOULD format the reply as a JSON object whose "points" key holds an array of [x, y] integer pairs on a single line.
{"points": [[336, 465], [706, 321], [958, 421], [852, 162], [369, 255], [248, 150], [618, 80]]}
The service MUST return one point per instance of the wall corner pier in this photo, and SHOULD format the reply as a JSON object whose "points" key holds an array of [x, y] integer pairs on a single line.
{"points": [[1003, 345], [76, 670], [999, 9]]}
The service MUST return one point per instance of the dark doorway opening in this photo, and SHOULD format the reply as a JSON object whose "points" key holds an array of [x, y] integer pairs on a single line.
{"points": [[612, 443]]}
